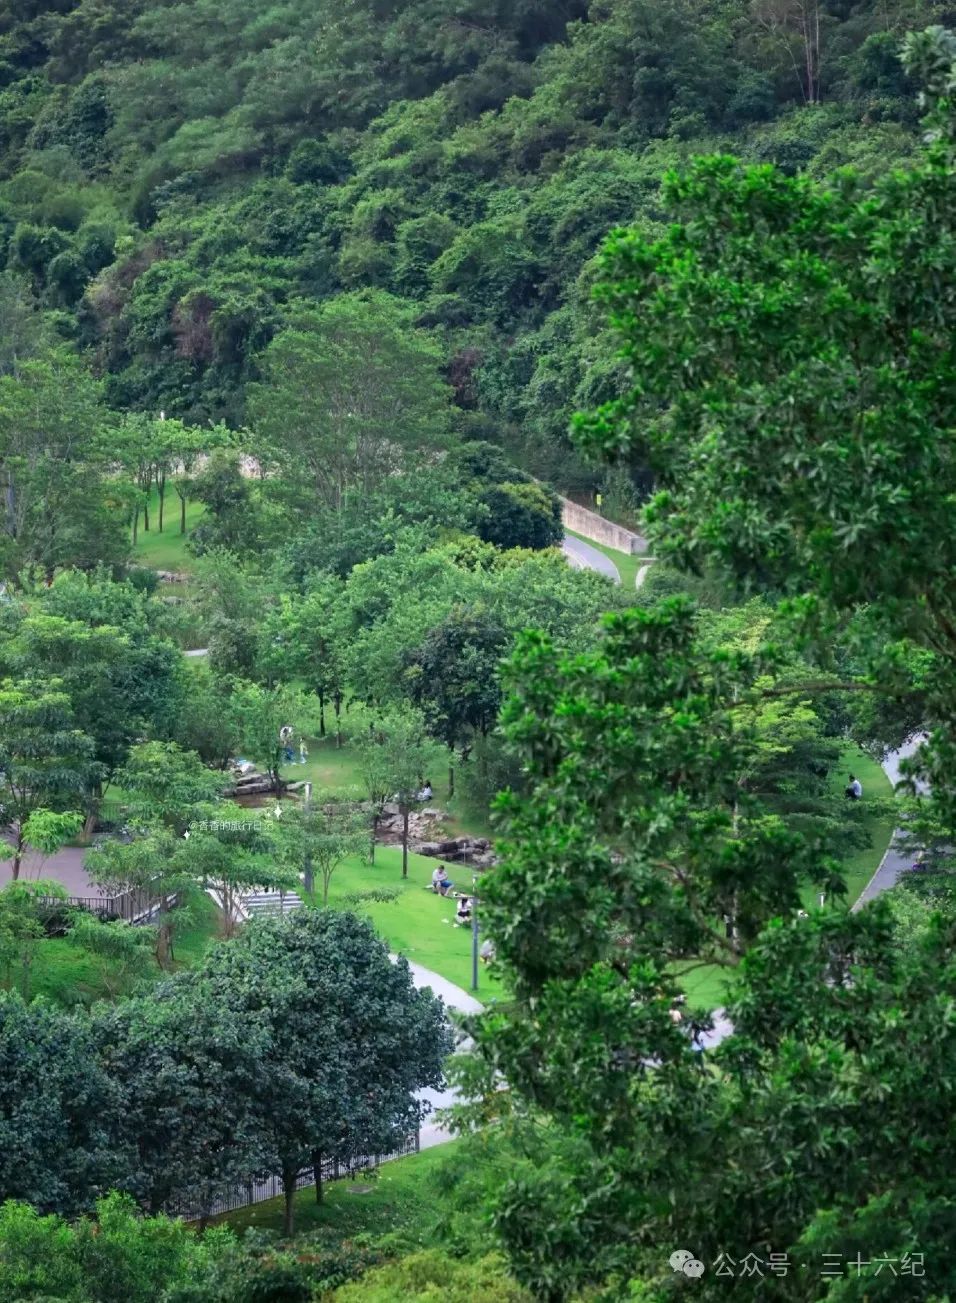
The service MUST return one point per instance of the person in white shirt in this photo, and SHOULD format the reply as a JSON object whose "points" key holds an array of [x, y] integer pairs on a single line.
{"points": [[440, 881], [854, 790]]}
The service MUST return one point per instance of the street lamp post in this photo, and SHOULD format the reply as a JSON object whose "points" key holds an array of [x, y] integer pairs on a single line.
{"points": [[308, 875], [474, 932]]}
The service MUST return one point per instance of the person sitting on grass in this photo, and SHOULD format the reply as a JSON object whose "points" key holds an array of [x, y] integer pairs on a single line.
{"points": [[854, 790], [463, 912], [441, 882]]}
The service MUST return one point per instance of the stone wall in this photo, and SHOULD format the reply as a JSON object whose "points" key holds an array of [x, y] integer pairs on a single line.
{"points": [[590, 525]]}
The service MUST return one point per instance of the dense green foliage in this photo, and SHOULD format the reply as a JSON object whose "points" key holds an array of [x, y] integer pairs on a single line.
{"points": [[789, 345], [184, 183], [300, 1039], [319, 275]]}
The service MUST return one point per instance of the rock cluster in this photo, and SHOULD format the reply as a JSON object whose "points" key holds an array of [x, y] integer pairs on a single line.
{"points": [[247, 781], [475, 851], [425, 837]]}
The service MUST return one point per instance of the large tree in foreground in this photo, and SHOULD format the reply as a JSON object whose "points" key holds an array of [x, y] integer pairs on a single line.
{"points": [[791, 347], [349, 1039], [184, 1070], [56, 1102]]}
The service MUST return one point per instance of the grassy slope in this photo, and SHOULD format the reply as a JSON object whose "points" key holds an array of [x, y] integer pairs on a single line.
{"points": [[417, 924], [329, 768], [859, 867], [68, 976], [401, 1197], [335, 770], [166, 551]]}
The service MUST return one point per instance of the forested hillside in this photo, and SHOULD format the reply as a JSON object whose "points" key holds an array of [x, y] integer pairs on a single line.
{"points": [[182, 181], [306, 312]]}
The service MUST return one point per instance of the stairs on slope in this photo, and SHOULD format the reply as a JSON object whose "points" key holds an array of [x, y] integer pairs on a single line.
{"points": [[258, 903]]}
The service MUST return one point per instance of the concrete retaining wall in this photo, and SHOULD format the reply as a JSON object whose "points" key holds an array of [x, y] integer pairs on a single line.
{"points": [[590, 525]]}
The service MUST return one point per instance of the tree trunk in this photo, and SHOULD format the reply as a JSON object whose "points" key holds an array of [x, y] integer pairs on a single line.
{"points": [[451, 778], [338, 720], [182, 513], [164, 945], [308, 877], [288, 1193], [17, 852], [321, 713], [374, 835], [135, 524], [317, 1173], [11, 503], [161, 485], [405, 842], [96, 800], [146, 507]]}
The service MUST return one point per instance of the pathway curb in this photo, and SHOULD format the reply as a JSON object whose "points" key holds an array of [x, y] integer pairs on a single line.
{"points": [[431, 1133]]}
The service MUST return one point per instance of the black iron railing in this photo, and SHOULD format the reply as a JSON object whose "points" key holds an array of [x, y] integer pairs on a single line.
{"points": [[246, 1193]]}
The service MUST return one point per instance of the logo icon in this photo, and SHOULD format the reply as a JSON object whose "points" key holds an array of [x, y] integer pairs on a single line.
{"points": [[683, 1260]]}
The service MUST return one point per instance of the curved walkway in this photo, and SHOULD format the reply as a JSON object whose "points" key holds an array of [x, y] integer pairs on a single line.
{"points": [[431, 1133], [896, 860], [585, 557]]}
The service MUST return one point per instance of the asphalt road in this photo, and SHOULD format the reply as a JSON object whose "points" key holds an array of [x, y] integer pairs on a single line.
{"points": [[585, 557]]}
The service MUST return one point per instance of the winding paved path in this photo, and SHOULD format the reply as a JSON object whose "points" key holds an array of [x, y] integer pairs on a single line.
{"points": [[896, 861], [585, 557], [431, 1132]]}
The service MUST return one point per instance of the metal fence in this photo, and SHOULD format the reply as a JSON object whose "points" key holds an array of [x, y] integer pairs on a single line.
{"points": [[131, 906], [246, 1193], [110, 813]]}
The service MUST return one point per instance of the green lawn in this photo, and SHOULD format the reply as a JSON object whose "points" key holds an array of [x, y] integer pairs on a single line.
{"points": [[166, 551], [329, 768], [402, 1197], [705, 987], [417, 924], [859, 867], [66, 975], [336, 770]]}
